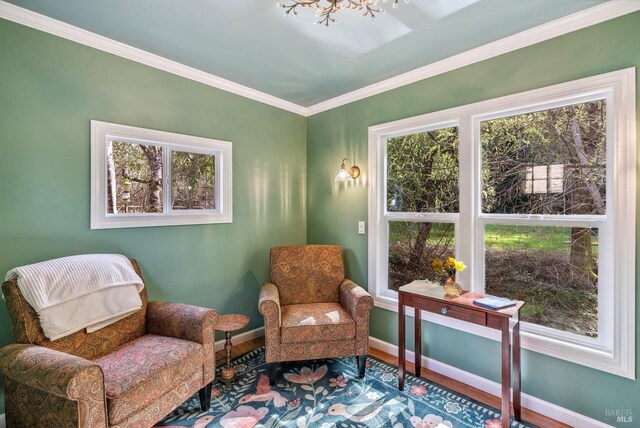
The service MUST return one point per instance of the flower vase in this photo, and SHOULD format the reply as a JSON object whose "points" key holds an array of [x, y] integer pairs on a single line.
{"points": [[452, 287]]}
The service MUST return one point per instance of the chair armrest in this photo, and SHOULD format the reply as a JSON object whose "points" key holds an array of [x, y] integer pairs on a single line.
{"points": [[181, 321], [186, 322], [359, 303], [269, 305], [52, 371], [355, 299]]}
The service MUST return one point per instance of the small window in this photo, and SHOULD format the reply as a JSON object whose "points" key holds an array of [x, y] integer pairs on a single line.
{"points": [[193, 181], [142, 177], [539, 179]]}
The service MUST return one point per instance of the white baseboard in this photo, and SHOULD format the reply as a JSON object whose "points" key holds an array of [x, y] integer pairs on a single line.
{"points": [[545, 408], [3, 424], [240, 338]]}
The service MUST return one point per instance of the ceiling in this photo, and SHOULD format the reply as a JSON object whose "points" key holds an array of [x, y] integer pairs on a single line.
{"points": [[250, 42]]}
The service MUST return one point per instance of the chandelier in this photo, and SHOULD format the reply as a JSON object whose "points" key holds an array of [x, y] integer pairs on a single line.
{"points": [[325, 9]]}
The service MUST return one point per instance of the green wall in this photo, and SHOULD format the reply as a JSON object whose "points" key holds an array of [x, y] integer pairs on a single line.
{"points": [[283, 189], [51, 88], [333, 210]]}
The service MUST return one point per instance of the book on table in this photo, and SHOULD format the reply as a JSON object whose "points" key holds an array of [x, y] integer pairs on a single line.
{"points": [[493, 302]]}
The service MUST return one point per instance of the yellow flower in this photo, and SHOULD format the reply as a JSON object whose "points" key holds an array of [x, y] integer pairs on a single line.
{"points": [[460, 266], [450, 263], [436, 264]]}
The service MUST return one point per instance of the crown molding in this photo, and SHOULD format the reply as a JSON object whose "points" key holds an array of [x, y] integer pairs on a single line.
{"points": [[576, 21], [568, 24], [49, 25]]}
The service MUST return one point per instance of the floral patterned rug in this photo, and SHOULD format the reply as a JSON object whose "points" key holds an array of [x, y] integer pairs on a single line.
{"points": [[329, 394]]}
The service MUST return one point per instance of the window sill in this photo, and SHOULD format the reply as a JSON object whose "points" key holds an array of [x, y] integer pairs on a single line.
{"points": [[574, 353], [159, 219]]}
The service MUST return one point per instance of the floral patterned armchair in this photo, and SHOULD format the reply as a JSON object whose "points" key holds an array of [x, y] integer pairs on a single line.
{"points": [[129, 374], [310, 310]]}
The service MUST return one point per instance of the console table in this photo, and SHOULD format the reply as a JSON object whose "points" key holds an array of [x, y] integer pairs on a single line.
{"points": [[427, 297]]}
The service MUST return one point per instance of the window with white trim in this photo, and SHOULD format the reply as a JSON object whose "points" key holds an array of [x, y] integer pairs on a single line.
{"points": [[535, 192], [143, 177], [422, 200]]}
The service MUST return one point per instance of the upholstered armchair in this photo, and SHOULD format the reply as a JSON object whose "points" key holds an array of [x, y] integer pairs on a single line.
{"points": [[310, 310], [129, 374]]}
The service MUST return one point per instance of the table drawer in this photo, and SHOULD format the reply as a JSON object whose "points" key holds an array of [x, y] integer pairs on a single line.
{"points": [[452, 311]]}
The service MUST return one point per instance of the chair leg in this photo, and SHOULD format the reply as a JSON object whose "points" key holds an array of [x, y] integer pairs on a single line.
{"points": [[272, 368], [205, 397], [362, 364]]}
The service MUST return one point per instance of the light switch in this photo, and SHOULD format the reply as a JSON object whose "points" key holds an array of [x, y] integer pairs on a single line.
{"points": [[361, 227]]}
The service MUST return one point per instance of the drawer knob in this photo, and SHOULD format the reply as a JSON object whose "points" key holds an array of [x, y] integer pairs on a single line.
{"points": [[444, 311]]}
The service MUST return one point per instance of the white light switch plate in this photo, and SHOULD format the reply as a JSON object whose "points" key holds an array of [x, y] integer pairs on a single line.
{"points": [[361, 227]]}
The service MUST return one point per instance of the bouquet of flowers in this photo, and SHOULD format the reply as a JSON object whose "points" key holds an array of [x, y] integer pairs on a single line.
{"points": [[449, 267]]}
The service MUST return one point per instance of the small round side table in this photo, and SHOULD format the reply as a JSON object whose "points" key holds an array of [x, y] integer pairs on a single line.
{"points": [[229, 323]]}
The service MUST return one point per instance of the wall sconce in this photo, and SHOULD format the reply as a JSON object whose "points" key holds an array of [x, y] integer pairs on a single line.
{"points": [[352, 173]]}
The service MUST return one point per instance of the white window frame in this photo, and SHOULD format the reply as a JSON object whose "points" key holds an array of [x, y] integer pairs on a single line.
{"points": [[103, 132], [613, 350], [380, 228]]}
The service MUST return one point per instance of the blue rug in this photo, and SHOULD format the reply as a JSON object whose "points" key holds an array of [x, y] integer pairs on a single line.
{"points": [[329, 394]]}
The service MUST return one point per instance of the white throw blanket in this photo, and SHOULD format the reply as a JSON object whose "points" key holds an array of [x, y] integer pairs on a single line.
{"points": [[88, 291]]}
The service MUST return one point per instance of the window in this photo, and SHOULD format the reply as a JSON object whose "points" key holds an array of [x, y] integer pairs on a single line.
{"points": [[422, 200], [543, 179], [536, 193], [549, 262], [142, 177]]}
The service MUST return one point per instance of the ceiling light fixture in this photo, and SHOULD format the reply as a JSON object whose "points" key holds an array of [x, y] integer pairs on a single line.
{"points": [[344, 174], [325, 9]]}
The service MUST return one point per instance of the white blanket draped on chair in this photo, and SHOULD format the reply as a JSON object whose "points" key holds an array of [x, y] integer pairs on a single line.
{"points": [[88, 291]]}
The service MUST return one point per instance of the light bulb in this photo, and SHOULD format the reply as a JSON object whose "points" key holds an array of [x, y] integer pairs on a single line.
{"points": [[342, 175]]}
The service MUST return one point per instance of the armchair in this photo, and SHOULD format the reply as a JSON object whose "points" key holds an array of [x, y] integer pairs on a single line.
{"points": [[310, 310], [130, 373]]}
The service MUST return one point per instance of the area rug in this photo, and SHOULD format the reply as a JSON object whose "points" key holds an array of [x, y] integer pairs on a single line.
{"points": [[329, 394]]}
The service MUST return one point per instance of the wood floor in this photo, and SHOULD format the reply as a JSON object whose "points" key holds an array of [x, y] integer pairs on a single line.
{"points": [[454, 385]]}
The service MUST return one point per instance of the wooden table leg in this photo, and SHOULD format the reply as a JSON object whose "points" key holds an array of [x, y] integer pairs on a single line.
{"points": [[516, 371], [506, 373], [401, 344], [418, 341], [228, 372]]}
